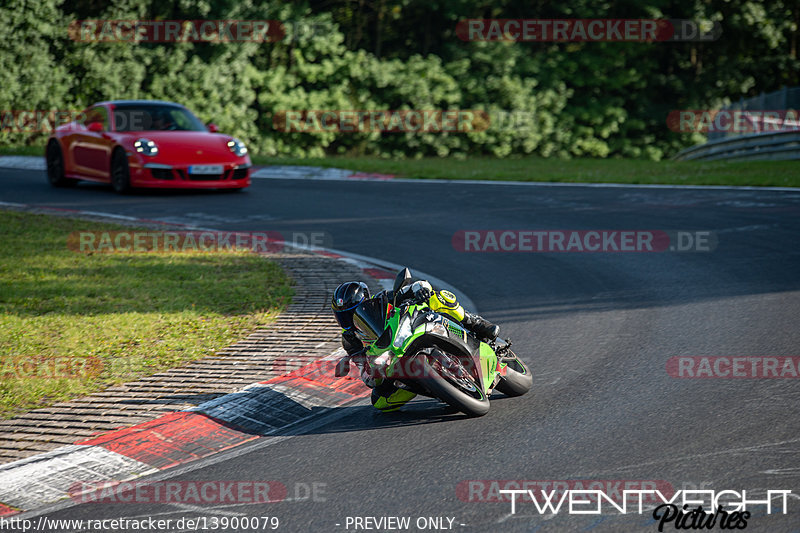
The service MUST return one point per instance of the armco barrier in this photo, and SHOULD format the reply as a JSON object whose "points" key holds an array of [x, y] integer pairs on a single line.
{"points": [[775, 146]]}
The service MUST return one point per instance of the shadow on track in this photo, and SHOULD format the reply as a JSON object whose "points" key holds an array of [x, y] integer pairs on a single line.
{"points": [[418, 412], [270, 413], [144, 193]]}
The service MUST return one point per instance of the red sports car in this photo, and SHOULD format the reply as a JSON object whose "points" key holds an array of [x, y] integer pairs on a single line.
{"points": [[145, 143]]}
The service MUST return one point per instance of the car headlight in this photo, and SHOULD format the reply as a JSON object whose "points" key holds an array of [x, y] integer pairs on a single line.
{"points": [[237, 147], [146, 147], [403, 331]]}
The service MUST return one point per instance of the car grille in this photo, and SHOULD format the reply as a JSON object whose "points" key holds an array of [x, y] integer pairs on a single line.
{"points": [[162, 173], [239, 174]]}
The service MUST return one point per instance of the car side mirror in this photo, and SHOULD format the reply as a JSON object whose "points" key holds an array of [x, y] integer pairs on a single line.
{"points": [[213, 128], [96, 127]]}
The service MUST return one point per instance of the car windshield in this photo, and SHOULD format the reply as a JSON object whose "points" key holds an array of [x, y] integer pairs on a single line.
{"points": [[143, 117]]}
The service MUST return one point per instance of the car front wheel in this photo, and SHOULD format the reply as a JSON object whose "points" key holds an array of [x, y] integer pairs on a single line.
{"points": [[55, 166], [120, 173]]}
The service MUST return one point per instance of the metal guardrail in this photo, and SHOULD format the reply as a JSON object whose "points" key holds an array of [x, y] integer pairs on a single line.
{"points": [[760, 145], [781, 100], [781, 145]]}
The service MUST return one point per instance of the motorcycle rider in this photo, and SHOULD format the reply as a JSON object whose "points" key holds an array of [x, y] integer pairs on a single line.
{"points": [[385, 395]]}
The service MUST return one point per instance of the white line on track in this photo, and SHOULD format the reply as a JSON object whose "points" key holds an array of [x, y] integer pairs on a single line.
{"points": [[338, 177], [108, 215], [677, 459]]}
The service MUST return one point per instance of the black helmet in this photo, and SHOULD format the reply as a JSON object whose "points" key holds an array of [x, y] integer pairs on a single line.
{"points": [[345, 298]]}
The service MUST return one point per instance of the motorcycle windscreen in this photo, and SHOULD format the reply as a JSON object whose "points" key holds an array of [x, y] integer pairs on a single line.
{"points": [[369, 318]]}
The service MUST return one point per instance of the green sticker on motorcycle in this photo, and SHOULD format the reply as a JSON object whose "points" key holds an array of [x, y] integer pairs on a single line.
{"points": [[456, 329]]}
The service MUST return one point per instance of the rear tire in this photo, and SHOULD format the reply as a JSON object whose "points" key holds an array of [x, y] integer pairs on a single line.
{"points": [[120, 172], [55, 166], [473, 406], [518, 379]]}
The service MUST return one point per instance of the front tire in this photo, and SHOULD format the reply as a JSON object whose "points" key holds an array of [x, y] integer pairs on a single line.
{"points": [[518, 379], [120, 172], [472, 404], [55, 166]]}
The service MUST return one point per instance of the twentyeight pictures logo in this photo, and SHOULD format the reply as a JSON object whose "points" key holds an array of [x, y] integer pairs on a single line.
{"points": [[683, 509]]}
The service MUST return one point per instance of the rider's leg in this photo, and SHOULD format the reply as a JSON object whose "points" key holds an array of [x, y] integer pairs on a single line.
{"points": [[386, 397], [480, 326], [445, 302]]}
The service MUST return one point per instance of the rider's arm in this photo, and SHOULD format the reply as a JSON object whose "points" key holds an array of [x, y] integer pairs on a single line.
{"points": [[354, 347], [351, 343], [414, 291], [355, 352]]}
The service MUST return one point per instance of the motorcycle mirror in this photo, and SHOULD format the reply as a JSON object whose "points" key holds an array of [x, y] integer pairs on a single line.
{"points": [[403, 278]]}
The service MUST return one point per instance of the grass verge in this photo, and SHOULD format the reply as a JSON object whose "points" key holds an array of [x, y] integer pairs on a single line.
{"points": [[635, 171], [73, 323], [22, 150]]}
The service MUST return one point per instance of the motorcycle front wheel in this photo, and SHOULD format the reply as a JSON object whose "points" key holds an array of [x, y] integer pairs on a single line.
{"points": [[447, 379], [518, 378]]}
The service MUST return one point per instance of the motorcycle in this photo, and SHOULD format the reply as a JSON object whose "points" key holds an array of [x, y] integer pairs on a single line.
{"points": [[430, 353]]}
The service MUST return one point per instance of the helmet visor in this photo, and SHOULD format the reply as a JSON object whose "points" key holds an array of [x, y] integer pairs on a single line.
{"points": [[345, 317]]}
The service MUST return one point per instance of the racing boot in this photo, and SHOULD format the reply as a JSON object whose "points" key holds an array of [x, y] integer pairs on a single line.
{"points": [[481, 327], [387, 398]]}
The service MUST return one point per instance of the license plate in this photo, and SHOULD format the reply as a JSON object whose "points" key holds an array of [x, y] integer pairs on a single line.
{"points": [[205, 169]]}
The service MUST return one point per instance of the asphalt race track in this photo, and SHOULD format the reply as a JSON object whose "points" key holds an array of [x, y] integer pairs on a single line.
{"points": [[597, 329]]}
